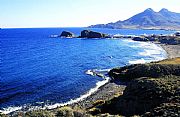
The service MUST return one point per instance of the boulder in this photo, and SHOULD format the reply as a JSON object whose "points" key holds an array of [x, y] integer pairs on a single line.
{"points": [[92, 34], [140, 39], [66, 34]]}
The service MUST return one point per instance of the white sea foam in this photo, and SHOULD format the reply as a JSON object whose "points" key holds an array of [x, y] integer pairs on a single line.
{"points": [[90, 72], [137, 61], [10, 109], [82, 97], [91, 91], [102, 70], [152, 51], [97, 72]]}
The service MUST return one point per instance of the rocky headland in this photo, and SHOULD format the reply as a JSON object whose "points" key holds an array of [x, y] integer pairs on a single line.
{"points": [[152, 90]]}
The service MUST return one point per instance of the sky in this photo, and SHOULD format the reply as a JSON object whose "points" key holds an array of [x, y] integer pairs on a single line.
{"points": [[74, 13]]}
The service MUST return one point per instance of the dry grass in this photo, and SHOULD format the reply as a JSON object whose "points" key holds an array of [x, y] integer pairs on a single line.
{"points": [[170, 61]]}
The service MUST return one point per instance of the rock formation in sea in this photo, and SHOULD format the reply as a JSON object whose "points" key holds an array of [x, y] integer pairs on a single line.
{"points": [[67, 34], [140, 39], [92, 34]]}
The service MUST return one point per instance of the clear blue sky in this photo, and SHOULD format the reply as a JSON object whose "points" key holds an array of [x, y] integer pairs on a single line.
{"points": [[74, 13]]}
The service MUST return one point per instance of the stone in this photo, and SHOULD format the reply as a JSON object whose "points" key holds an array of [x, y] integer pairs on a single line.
{"points": [[66, 34], [140, 39], [92, 34]]}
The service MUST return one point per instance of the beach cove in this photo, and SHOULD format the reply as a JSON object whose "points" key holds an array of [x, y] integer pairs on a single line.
{"points": [[111, 89]]}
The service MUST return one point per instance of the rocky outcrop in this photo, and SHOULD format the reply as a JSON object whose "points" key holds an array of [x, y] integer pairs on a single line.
{"points": [[164, 39], [140, 39], [172, 40], [131, 72], [92, 34], [152, 90], [66, 34], [147, 96]]}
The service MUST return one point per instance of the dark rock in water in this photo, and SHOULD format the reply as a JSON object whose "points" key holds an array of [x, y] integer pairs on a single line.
{"points": [[131, 72], [177, 34], [84, 33], [152, 37], [66, 34], [92, 34], [140, 39]]}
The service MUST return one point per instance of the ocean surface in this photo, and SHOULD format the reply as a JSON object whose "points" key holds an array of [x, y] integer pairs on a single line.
{"points": [[39, 71]]}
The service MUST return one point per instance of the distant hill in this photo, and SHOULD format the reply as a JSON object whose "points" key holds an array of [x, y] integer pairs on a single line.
{"points": [[148, 19]]}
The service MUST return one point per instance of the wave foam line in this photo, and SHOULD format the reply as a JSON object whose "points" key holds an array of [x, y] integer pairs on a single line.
{"points": [[153, 51], [81, 98], [90, 92], [138, 61], [10, 109]]}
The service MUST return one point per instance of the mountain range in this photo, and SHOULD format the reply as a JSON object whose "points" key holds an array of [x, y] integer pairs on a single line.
{"points": [[148, 19]]}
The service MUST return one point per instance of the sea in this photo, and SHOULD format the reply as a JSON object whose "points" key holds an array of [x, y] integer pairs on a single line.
{"points": [[37, 71]]}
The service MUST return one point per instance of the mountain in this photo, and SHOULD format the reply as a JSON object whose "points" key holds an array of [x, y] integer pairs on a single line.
{"points": [[148, 19]]}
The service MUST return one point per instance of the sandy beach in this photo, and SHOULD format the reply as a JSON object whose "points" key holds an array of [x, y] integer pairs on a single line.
{"points": [[173, 51]]}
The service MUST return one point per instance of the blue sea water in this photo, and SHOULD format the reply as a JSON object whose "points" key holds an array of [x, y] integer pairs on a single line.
{"points": [[37, 70]]}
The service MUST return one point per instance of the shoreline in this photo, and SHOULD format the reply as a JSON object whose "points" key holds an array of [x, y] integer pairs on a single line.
{"points": [[173, 51], [104, 93], [113, 89]]}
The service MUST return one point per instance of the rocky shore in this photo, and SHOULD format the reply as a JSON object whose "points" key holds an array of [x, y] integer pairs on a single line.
{"points": [[146, 90]]}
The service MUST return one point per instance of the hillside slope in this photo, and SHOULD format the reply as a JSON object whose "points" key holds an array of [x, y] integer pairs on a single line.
{"points": [[148, 19]]}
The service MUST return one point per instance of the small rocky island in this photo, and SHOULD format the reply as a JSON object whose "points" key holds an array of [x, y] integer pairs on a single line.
{"points": [[84, 34], [92, 34], [67, 34], [172, 39]]}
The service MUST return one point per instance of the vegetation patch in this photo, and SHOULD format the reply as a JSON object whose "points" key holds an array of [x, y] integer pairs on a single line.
{"points": [[155, 70], [39, 113], [146, 95]]}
